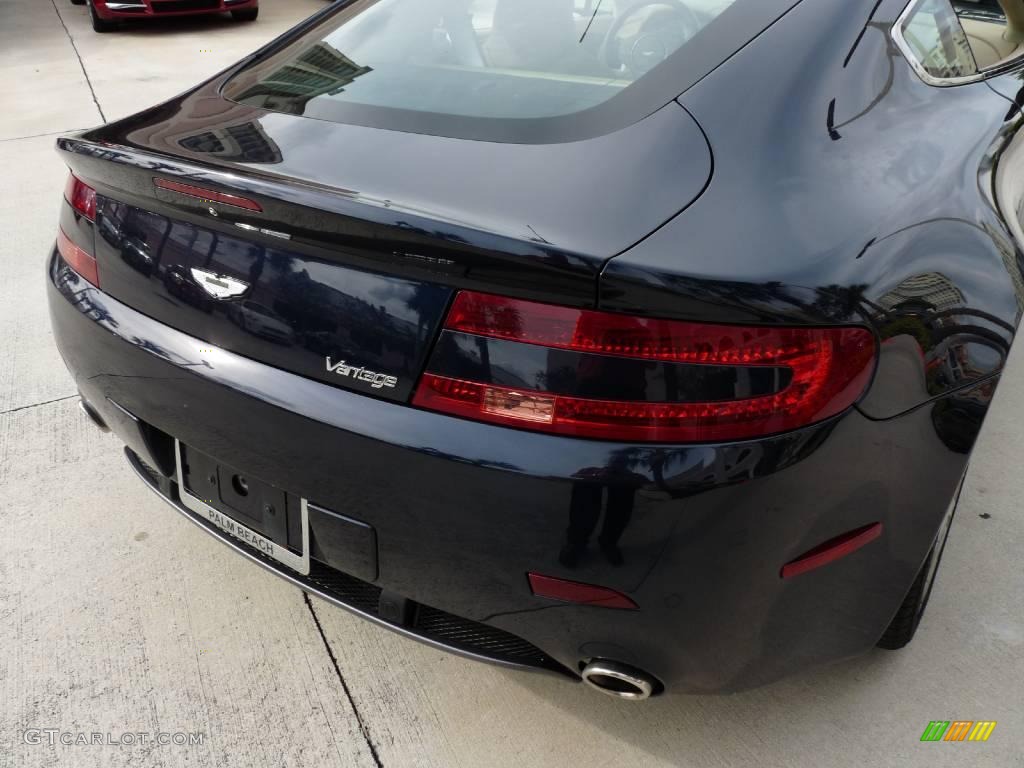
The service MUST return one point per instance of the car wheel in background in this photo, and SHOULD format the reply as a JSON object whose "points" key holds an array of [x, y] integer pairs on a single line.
{"points": [[78, 2], [98, 24], [904, 624], [245, 14]]}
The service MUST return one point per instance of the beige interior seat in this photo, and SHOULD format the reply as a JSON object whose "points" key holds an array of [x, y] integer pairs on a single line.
{"points": [[989, 42]]}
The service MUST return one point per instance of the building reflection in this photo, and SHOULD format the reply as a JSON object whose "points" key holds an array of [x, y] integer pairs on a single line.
{"points": [[957, 344], [246, 142], [930, 289], [215, 127], [320, 70]]}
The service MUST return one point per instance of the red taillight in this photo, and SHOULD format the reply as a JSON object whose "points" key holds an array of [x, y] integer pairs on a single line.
{"points": [[81, 196], [828, 370], [83, 263], [208, 195]]}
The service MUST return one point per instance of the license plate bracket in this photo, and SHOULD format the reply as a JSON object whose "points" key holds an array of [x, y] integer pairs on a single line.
{"points": [[246, 508]]}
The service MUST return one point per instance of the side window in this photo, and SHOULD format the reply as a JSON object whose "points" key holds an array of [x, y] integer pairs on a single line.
{"points": [[938, 42]]}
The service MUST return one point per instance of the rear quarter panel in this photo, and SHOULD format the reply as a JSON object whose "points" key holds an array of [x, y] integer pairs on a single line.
{"points": [[849, 192]]}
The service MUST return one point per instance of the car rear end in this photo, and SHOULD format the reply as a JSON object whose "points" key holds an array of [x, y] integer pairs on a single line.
{"points": [[373, 361], [108, 10], [443, 526]]}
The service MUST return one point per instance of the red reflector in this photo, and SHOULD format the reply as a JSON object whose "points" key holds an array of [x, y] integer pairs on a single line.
{"points": [[81, 196], [208, 195], [831, 550], [83, 263], [578, 592], [830, 369]]}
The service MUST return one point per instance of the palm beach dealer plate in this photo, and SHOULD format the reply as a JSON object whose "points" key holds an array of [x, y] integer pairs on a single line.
{"points": [[283, 555]]}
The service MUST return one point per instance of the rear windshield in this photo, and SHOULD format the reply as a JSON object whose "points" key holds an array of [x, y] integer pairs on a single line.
{"points": [[385, 62]]}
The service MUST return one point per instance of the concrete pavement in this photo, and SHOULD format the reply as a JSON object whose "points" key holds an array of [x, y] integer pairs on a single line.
{"points": [[117, 616]]}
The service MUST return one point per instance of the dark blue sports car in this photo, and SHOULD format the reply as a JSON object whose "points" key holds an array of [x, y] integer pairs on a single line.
{"points": [[643, 342]]}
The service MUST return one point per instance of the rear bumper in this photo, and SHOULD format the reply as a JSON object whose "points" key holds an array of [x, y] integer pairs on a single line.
{"points": [[435, 628], [147, 9], [463, 511]]}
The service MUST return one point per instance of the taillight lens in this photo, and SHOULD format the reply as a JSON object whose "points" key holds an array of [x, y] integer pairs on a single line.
{"points": [[77, 258], [81, 196], [828, 369]]}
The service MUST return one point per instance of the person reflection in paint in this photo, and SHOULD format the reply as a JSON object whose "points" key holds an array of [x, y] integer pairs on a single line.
{"points": [[584, 515], [586, 499]]}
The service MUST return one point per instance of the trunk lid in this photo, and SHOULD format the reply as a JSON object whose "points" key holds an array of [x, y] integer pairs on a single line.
{"points": [[362, 235], [348, 327]]}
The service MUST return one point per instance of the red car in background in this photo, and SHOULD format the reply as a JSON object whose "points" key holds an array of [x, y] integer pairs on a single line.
{"points": [[106, 13]]}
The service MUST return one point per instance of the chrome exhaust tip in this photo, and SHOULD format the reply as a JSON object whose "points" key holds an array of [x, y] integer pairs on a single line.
{"points": [[93, 415], [618, 680]]}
